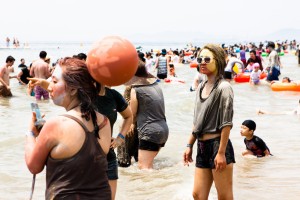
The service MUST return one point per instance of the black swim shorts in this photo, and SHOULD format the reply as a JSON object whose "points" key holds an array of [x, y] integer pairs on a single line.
{"points": [[207, 151], [227, 75], [149, 146]]}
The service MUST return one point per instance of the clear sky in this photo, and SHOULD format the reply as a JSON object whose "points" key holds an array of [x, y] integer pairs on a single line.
{"points": [[89, 20]]}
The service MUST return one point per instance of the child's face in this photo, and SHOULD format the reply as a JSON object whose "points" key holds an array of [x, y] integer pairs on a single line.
{"points": [[245, 131], [256, 69]]}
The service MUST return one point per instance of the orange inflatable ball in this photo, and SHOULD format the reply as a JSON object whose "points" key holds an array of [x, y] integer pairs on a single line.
{"points": [[112, 61]]}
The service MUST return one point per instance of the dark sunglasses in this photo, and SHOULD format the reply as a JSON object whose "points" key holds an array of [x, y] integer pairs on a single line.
{"points": [[206, 60]]}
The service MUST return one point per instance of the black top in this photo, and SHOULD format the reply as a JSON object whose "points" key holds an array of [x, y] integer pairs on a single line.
{"points": [[110, 104], [256, 145], [256, 60], [22, 65], [25, 74]]}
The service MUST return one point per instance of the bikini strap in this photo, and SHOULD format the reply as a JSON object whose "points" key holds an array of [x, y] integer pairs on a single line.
{"points": [[78, 121], [103, 123]]}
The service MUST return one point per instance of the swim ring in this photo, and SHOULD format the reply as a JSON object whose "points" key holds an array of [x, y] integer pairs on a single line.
{"points": [[279, 86], [245, 77]]}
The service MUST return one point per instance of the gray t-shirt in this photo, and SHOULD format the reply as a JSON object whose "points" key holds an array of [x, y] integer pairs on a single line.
{"points": [[214, 112], [151, 119]]}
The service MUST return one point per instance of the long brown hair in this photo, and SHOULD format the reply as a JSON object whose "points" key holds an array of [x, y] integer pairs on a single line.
{"points": [[219, 56], [76, 76]]}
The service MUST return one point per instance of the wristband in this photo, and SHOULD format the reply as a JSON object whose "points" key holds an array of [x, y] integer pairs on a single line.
{"points": [[30, 133], [189, 145], [121, 136]]}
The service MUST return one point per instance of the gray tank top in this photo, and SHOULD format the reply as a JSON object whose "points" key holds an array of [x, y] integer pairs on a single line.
{"points": [[162, 65], [151, 119]]}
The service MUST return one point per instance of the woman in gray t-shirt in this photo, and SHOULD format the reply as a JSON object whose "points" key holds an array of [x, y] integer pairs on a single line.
{"points": [[212, 124]]}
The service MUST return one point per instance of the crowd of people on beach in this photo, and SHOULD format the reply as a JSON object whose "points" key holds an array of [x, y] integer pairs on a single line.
{"points": [[78, 147]]}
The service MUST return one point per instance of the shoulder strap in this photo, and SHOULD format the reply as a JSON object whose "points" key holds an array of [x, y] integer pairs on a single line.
{"points": [[103, 123], [78, 121]]}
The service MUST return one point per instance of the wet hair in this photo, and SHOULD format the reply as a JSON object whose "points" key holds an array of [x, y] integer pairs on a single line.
{"points": [[141, 70], [43, 54], [82, 56], [10, 59], [142, 56], [176, 52], [253, 51], [271, 44], [250, 124], [76, 76], [219, 56], [287, 78], [22, 59]]}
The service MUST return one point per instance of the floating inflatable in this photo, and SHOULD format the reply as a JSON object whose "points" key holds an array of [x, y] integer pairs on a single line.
{"points": [[188, 53], [245, 77], [279, 86], [264, 54], [281, 53], [193, 65], [174, 80]]}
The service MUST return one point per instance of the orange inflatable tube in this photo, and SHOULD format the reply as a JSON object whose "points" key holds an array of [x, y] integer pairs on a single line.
{"points": [[245, 77], [188, 53], [278, 86]]}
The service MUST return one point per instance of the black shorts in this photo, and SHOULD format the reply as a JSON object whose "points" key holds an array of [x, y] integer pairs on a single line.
{"points": [[149, 146], [112, 169], [207, 151], [162, 76], [227, 75]]}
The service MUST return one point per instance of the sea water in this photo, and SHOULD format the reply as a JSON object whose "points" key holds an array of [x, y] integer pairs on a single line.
{"points": [[276, 177]]}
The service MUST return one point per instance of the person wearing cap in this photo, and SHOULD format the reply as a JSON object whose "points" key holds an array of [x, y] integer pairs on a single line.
{"points": [[254, 144], [148, 110], [274, 63], [162, 65], [212, 123], [255, 74]]}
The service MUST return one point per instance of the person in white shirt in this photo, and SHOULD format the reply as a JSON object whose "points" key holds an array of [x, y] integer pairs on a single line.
{"points": [[255, 74]]}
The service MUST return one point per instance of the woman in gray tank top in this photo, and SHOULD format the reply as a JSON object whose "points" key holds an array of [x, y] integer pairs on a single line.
{"points": [[148, 109]]}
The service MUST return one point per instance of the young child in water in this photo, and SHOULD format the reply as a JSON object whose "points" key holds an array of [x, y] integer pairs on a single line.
{"points": [[254, 145], [255, 74]]}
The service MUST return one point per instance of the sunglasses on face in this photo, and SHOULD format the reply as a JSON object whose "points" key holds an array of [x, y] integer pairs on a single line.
{"points": [[206, 60]]}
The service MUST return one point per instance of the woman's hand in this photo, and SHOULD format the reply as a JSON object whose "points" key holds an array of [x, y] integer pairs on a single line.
{"points": [[220, 162], [32, 126], [187, 156], [116, 142], [38, 82]]}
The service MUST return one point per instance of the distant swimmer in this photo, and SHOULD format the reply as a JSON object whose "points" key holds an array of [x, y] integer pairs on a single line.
{"points": [[254, 145], [296, 111], [4, 77], [40, 69]]}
